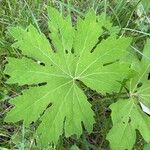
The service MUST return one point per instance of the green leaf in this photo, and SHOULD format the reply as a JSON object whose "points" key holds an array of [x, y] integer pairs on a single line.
{"points": [[74, 147], [147, 146], [139, 86], [146, 4], [74, 54], [127, 116]]}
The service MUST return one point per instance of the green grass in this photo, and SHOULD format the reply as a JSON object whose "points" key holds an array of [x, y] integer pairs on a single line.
{"points": [[133, 18]]}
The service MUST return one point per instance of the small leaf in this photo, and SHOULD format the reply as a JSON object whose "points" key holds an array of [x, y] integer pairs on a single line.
{"points": [[127, 117], [139, 86]]}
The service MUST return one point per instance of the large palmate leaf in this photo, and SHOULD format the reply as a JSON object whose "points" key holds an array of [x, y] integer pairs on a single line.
{"points": [[74, 54], [126, 115]]}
